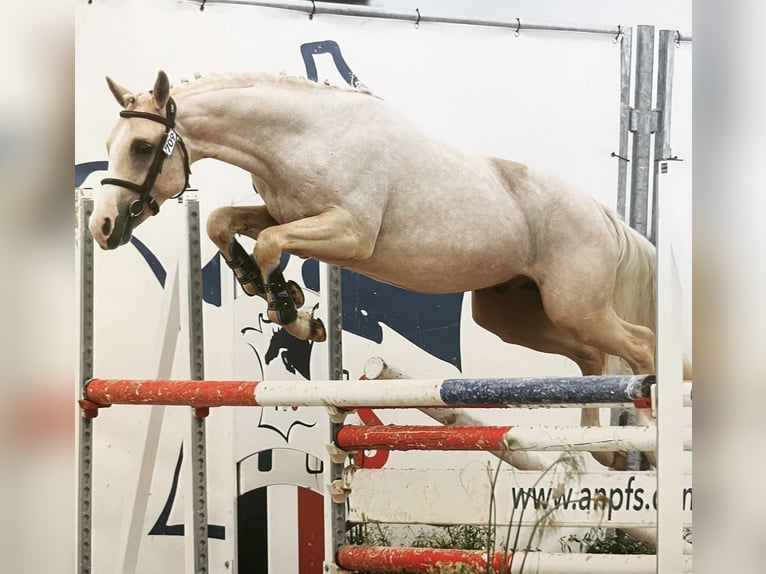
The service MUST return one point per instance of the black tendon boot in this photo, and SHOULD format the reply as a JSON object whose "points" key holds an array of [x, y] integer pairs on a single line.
{"points": [[249, 275]]}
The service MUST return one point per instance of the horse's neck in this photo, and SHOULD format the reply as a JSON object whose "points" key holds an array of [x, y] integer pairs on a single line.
{"points": [[246, 127]]}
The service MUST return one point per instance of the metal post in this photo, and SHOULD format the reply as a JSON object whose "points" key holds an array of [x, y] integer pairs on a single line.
{"points": [[85, 424], [662, 152], [642, 123], [335, 351], [197, 454], [626, 57], [335, 323]]}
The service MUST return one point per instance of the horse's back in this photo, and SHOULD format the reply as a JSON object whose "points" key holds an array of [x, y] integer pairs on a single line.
{"points": [[441, 219]]}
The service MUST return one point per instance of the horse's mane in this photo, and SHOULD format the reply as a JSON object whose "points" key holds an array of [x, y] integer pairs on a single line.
{"points": [[245, 80]]}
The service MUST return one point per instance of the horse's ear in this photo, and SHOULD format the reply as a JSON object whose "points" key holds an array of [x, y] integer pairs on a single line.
{"points": [[123, 96], [161, 91]]}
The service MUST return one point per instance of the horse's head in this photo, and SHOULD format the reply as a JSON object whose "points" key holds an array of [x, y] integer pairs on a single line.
{"points": [[148, 163]]}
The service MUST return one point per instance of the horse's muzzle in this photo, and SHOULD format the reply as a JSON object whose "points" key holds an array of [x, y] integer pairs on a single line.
{"points": [[111, 233], [122, 231]]}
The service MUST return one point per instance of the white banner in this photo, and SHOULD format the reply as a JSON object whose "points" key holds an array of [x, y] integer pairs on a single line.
{"points": [[521, 498]]}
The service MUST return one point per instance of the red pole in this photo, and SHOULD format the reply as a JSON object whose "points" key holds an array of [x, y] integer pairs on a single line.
{"points": [[391, 437], [417, 560], [190, 393]]}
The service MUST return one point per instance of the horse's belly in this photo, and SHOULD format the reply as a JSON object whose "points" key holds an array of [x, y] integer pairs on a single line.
{"points": [[438, 249], [438, 270]]}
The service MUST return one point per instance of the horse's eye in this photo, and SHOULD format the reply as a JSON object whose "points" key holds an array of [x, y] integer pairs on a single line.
{"points": [[143, 148]]}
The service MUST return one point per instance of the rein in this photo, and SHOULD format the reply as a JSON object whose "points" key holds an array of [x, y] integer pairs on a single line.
{"points": [[169, 141]]}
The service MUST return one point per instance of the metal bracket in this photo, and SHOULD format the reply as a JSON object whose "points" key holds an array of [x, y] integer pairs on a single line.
{"points": [[90, 409], [340, 488], [339, 492], [645, 122], [338, 455], [338, 415]]}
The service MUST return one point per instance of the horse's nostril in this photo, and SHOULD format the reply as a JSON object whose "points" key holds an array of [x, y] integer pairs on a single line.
{"points": [[106, 229]]}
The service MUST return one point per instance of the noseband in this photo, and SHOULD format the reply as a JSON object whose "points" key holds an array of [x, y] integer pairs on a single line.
{"points": [[169, 141]]}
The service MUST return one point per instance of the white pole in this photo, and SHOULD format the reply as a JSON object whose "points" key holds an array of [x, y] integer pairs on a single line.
{"points": [[669, 404], [166, 341]]}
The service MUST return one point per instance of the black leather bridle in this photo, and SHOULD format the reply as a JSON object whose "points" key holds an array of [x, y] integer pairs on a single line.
{"points": [[169, 142]]}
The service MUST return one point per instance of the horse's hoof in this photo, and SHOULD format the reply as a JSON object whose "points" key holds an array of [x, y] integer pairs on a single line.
{"points": [[296, 293], [620, 461], [318, 332]]}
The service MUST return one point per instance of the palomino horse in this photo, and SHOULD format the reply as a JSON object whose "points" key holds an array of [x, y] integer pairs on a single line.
{"points": [[348, 181]]}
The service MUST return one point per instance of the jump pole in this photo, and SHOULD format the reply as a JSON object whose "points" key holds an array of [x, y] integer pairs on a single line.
{"points": [[544, 392], [498, 438], [386, 559]]}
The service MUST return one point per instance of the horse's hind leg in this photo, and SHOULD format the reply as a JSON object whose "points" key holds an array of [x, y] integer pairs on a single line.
{"points": [[581, 304], [222, 226], [517, 316], [603, 329]]}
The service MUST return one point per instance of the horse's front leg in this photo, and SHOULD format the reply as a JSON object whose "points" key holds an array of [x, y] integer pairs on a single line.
{"points": [[223, 224], [332, 235]]}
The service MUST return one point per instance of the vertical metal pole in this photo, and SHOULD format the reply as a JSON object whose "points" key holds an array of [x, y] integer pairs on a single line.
{"points": [[662, 152], [197, 454], [85, 425], [335, 350], [642, 124], [624, 417], [626, 58], [335, 321]]}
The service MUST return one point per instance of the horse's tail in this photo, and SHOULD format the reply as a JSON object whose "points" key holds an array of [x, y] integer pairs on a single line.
{"points": [[635, 297]]}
